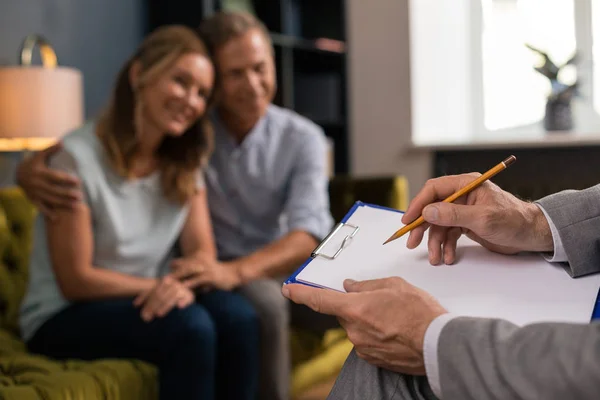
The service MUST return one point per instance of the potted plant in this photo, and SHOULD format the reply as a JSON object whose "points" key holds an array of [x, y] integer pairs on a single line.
{"points": [[559, 114]]}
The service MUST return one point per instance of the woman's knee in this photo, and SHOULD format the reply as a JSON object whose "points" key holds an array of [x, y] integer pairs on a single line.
{"points": [[193, 327], [191, 343]]}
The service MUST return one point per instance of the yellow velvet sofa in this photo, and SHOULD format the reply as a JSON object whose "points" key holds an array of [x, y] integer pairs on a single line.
{"points": [[24, 376]]}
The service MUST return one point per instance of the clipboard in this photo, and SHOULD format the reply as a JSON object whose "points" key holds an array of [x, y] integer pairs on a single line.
{"points": [[523, 288], [320, 251]]}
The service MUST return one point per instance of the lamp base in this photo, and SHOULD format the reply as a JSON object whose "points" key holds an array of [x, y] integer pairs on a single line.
{"points": [[31, 144]]}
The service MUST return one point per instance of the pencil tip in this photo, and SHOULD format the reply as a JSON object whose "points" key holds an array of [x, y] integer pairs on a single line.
{"points": [[389, 240]]}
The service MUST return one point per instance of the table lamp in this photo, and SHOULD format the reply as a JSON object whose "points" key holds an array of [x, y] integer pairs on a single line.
{"points": [[38, 104]]}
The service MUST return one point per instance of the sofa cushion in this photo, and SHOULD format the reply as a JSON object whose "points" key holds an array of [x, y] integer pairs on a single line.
{"points": [[389, 191], [16, 221], [24, 376], [10, 344]]}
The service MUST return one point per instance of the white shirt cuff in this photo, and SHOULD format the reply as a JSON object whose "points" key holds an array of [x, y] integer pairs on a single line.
{"points": [[559, 254], [430, 351]]}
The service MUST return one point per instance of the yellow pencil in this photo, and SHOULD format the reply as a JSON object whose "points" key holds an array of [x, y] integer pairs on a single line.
{"points": [[489, 174]]}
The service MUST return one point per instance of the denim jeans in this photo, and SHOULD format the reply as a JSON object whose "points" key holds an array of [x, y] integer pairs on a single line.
{"points": [[209, 350]]}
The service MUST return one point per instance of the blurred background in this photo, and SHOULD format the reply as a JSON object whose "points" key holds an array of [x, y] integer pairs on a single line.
{"points": [[416, 88]]}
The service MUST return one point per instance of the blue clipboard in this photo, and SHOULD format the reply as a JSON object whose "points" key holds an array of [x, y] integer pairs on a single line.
{"points": [[343, 222]]}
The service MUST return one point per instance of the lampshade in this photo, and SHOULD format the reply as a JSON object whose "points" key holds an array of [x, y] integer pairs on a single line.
{"points": [[38, 104]]}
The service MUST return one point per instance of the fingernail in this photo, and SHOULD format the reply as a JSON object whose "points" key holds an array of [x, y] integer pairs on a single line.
{"points": [[350, 281], [285, 290], [431, 213]]}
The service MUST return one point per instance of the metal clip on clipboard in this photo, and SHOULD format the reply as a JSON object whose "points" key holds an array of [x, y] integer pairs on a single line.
{"points": [[343, 245]]}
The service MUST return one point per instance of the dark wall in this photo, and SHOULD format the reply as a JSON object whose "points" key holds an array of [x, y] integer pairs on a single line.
{"points": [[537, 173], [95, 36]]}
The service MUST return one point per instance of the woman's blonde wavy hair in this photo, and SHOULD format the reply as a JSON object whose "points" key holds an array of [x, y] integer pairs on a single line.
{"points": [[179, 157]]}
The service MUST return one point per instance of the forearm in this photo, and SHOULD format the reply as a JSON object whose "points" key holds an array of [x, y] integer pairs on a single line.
{"points": [[493, 359], [278, 258], [538, 237], [98, 283]]}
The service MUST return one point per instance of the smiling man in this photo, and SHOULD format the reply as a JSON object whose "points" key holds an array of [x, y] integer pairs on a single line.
{"points": [[267, 185]]}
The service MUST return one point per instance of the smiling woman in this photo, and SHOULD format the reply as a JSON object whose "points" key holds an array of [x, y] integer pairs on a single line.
{"points": [[162, 90], [99, 274]]}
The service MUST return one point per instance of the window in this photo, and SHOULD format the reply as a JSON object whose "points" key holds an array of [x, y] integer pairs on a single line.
{"points": [[596, 53], [514, 94], [473, 76]]}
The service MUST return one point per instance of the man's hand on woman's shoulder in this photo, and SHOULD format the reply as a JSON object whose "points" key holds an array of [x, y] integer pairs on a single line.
{"points": [[47, 188]]}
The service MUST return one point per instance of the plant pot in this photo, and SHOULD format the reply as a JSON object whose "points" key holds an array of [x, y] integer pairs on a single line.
{"points": [[559, 115]]}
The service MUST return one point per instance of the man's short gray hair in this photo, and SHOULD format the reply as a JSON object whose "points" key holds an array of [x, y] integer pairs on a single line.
{"points": [[223, 26]]}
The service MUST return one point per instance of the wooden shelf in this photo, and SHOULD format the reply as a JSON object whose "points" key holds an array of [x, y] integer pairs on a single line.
{"points": [[307, 44]]}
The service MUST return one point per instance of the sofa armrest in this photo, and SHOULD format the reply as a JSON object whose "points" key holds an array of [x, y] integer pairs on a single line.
{"points": [[388, 191]]}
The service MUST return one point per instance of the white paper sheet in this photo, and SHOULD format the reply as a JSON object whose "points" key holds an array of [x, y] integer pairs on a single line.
{"points": [[522, 289]]}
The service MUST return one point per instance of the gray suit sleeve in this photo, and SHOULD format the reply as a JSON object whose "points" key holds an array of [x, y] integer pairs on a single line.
{"points": [[493, 359], [576, 215], [483, 359]]}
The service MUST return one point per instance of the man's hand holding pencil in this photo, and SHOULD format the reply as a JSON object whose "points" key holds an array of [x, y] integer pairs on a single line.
{"points": [[489, 215], [470, 204]]}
